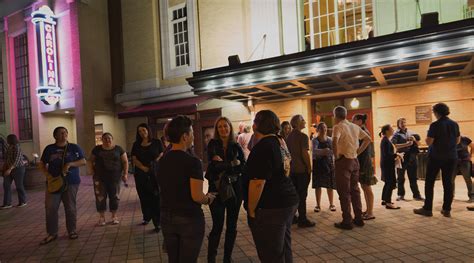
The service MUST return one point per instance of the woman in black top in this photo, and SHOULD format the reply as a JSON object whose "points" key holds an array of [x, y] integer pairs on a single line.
{"points": [[108, 164], [180, 177], [387, 164], [226, 163], [272, 197], [145, 152]]}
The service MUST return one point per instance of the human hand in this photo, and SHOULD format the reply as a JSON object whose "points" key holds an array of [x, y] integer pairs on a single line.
{"points": [[217, 158], [211, 196], [66, 168], [7, 172], [125, 177], [251, 213], [145, 169]]}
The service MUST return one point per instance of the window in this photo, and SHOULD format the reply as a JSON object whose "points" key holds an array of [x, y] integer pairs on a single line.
{"points": [[2, 92], [332, 22], [23, 102], [179, 36]]}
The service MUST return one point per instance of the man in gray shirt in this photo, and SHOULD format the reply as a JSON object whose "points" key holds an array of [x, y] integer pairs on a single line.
{"points": [[298, 144]]}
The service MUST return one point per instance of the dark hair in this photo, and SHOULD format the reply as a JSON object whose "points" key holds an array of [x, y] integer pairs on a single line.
{"points": [[56, 130], [441, 109], [216, 132], [12, 139], [360, 117], [139, 138], [384, 129], [267, 122], [107, 134], [284, 124], [320, 126], [178, 126]]}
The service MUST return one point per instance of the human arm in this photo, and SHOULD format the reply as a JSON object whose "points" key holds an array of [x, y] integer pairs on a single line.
{"points": [[124, 160], [255, 192], [91, 164], [197, 192], [14, 159]]}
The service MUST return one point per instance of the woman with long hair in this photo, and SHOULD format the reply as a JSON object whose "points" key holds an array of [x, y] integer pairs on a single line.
{"points": [[146, 151], [366, 170], [13, 170], [323, 166], [285, 129], [227, 161], [108, 164], [388, 158]]}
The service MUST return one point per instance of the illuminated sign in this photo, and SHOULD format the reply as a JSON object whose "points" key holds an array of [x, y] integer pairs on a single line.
{"points": [[48, 89]]}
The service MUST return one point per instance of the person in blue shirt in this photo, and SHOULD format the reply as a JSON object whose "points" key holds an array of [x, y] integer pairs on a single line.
{"points": [[52, 164], [443, 137]]}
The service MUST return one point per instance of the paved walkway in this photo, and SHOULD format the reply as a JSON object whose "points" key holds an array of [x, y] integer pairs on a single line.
{"points": [[394, 236]]}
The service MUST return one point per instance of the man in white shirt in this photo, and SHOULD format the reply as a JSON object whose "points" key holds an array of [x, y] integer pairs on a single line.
{"points": [[346, 136]]}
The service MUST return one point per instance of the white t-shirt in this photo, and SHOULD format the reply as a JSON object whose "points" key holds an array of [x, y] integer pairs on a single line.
{"points": [[347, 135]]}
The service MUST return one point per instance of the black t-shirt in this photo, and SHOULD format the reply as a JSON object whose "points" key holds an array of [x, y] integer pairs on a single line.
{"points": [[265, 162], [108, 163], [444, 131], [175, 169], [463, 150], [147, 154]]}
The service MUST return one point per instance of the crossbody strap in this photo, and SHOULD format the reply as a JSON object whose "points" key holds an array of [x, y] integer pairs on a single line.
{"points": [[64, 157]]}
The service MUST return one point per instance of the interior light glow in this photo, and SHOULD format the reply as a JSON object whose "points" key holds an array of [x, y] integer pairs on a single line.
{"points": [[355, 103]]}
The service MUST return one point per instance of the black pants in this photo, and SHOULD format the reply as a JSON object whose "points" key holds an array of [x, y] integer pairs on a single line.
{"points": [[409, 165], [182, 236], [301, 183], [447, 170], [149, 197], [271, 231], [218, 212], [388, 187]]}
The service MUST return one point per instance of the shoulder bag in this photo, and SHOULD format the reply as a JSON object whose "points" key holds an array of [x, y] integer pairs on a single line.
{"points": [[58, 184]]}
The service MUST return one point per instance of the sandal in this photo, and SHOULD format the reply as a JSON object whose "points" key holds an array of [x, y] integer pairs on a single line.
{"points": [[317, 209], [73, 235], [115, 221], [332, 208], [101, 222], [48, 239], [367, 217]]}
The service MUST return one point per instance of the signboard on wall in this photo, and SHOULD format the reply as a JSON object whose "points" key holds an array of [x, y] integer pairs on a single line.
{"points": [[423, 114], [48, 90]]}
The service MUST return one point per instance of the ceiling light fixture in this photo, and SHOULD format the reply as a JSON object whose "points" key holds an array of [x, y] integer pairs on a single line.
{"points": [[355, 103]]}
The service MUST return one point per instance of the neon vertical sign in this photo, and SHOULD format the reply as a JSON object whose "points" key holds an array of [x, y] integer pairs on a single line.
{"points": [[48, 90]]}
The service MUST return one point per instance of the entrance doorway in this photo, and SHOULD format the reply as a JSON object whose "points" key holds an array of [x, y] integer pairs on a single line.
{"points": [[360, 104]]}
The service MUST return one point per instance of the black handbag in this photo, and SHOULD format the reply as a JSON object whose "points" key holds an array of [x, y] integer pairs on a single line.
{"points": [[226, 191]]}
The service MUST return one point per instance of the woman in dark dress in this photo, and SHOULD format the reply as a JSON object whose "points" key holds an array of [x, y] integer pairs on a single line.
{"points": [[146, 151], [226, 163], [323, 166], [366, 172], [388, 157], [108, 164]]}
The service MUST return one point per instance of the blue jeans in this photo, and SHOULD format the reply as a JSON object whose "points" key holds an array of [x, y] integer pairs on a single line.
{"points": [[17, 175], [52, 202], [183, 236]]}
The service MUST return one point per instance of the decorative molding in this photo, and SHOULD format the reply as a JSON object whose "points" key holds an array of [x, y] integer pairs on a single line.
{"points": [[168, 71], [141, 85], [146, 96]]}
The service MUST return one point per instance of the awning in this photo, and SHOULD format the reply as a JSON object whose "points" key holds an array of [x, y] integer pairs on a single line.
{"points": [[164, 109], [426, 54]]}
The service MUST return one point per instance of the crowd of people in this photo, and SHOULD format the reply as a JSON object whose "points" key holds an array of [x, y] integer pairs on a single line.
{"points": [[266, 172]]}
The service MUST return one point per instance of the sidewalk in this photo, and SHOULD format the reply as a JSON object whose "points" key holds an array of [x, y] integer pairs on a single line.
{"points": [[394, 236]]}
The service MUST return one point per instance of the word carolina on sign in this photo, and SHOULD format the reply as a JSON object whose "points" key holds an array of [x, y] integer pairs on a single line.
{"points": [[48, 90]]}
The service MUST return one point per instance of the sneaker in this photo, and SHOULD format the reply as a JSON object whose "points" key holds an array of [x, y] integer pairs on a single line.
{"points": [[400, 198], [332, 208], [446, 213], [157, 229], [3, 207], [73, 235], [423, 212], [470, 208], [306, 223], [21, 205], [101, 222], [343, 226], [145, 222], [317, 209]]}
